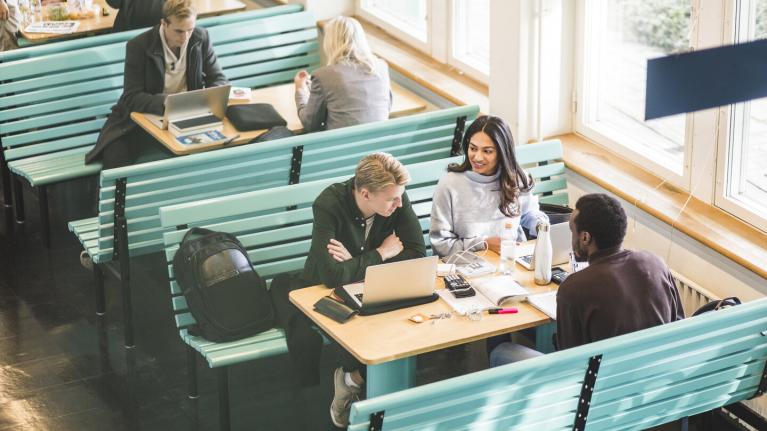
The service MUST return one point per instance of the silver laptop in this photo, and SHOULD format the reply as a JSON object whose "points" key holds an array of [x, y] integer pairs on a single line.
{"points": [[191, 104], [561, 246], [390, 282]]}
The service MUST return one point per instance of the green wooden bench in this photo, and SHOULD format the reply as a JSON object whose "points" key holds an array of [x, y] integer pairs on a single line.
{"points": [[275, 226], [635, 381], [52, 106], [132, 195]]}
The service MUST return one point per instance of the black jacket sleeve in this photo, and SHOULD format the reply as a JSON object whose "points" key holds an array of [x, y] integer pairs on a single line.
{"points": [[135, 95], [212, 73], [331, 272]]}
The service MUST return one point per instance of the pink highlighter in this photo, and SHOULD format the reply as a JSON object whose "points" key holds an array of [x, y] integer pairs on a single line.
{"points": [[510, 310]]}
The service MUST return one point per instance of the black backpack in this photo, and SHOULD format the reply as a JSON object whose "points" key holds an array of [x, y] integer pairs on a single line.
{"points": [[226, 296], [717, 305]]}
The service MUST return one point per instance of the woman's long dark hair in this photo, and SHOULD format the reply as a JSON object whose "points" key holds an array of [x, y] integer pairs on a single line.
{"points": [[513, 179]]}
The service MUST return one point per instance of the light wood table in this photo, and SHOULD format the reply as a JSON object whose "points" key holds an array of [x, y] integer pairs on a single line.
{"points": [[103, 24], [282, 98], [389, 342]]}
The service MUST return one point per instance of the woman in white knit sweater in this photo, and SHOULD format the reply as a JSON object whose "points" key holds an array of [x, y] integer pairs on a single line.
{"points": [[476, 198]]}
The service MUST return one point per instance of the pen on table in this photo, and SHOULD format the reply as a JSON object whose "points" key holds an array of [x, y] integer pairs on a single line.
{"points": [[230, 140], [510, 310]]}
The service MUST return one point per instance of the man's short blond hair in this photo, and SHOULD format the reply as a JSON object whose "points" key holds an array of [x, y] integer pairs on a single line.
{"points": [[180, 9], [378, 171]]}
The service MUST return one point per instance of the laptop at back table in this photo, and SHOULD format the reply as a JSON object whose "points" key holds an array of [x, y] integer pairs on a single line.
{"points": [[195, 103], [561, 246], [392, 282]]}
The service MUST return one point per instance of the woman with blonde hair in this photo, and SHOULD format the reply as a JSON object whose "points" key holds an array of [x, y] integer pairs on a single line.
{"points": [[353, 87]]}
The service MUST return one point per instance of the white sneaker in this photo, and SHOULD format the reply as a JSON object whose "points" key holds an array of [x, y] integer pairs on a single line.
{"points": [[343, 397]]}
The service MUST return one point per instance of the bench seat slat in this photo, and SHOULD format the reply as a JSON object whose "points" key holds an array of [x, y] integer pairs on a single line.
{"points": [[556, 199]]}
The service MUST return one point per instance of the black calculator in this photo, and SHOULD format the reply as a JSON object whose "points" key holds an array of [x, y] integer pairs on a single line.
{"points": [[558, 275], [458, 286]]}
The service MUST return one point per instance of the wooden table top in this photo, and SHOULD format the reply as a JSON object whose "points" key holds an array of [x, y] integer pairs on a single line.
{"points": [[282, 98], [103, 24], [389, 336]]}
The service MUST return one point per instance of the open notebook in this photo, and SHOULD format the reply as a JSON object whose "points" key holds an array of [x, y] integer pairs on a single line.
{"points": [[492, 292], [546, 302]]}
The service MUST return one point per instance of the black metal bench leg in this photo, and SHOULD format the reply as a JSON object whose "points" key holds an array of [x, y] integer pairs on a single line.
{"points": [[18, 196], [127, 306], [191, 371], [223, 398], [98, 292], [5, 177], [122, 245], [45, 222]]}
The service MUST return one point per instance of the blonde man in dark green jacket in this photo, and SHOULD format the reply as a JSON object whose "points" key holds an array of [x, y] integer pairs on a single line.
{"points": [[366, 220]]}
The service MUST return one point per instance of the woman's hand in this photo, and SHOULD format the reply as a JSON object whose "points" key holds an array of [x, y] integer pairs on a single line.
{"points": [[301, 80]]}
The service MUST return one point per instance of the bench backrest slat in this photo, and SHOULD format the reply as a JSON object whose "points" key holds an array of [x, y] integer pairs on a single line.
{"points": [[645, 378]]}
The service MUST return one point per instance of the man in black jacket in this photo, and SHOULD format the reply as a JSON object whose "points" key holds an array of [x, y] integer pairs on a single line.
{"points": [[171, 57], [136, 13]]}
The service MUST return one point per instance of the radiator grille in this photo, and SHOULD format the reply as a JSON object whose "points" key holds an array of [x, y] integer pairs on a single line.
{"points": [[693, 295]]}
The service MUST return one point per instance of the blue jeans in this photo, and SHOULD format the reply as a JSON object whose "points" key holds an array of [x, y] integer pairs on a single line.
{"points": [[509, 352]]}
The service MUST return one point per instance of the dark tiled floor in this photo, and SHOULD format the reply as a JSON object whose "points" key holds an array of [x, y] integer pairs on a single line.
{"points": [[64, 368]]}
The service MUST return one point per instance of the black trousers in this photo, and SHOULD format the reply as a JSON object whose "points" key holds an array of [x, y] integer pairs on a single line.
{"points": [[304, 342], [136, 146]]}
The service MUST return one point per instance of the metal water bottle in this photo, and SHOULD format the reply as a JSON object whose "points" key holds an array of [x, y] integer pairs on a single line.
{"points": [[542, 255]]}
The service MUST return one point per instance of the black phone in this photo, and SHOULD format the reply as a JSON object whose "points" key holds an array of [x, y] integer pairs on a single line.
{"points": [[558, 275]]}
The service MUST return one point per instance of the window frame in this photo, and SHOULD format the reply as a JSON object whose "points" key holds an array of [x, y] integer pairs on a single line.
{"points": [[585, 61], [440, 35], [734, 134], [389, 27], [452, 59]]}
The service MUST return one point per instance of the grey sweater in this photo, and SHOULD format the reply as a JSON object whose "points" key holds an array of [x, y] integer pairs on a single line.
{"points": [[343, 95], [465, 211]]}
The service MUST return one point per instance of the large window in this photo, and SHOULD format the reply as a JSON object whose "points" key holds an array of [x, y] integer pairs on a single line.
{"points": [[471, 36], [743, 185], [455, 32], [408, 17], [619, 36]]}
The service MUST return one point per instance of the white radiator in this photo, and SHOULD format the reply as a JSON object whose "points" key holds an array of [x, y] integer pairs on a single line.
{"points": [[693, 296]]}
